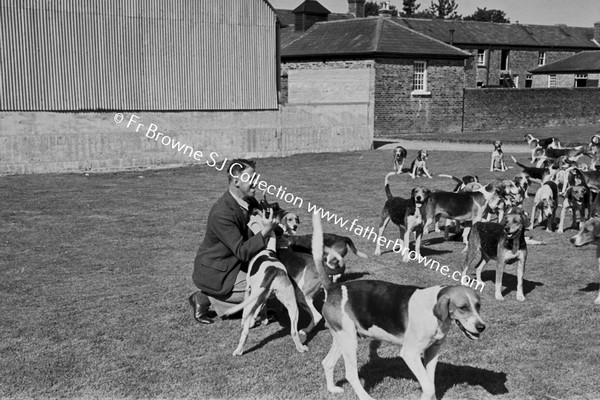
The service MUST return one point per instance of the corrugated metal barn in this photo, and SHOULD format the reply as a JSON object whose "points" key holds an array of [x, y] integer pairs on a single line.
{"points": [[67, 55], [203, 73]]}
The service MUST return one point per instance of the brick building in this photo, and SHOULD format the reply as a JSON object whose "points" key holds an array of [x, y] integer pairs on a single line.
{"points": [[502, 54], [413, 83], [579, 70]]}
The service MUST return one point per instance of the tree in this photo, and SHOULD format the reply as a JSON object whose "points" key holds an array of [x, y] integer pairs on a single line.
{"points": [[485, 15], [444, 9], [410, 8], [372, 9]]}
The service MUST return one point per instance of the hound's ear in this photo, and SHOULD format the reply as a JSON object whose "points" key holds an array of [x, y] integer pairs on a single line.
{"points": [[440, 310]]}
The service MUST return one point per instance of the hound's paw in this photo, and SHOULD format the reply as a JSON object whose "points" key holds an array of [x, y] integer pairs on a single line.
{"points": [[597, 301], [499, 297], [520, 297], [377, 252], [559, 230], [302, 349], [238, 352], [335, 389]]}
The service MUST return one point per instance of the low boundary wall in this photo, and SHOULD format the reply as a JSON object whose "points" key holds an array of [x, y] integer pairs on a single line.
{"points": [[40, 142], [498, 109]]}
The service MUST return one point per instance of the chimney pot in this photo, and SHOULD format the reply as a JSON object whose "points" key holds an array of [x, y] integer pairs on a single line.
{"points": [[597, 32], [356, 8]]}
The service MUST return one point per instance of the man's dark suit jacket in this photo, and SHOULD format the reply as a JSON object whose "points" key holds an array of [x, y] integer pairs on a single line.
{"points": [[228, 246]]}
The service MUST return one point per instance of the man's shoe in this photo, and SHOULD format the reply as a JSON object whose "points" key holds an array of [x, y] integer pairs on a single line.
{"points": [[200, 316]]}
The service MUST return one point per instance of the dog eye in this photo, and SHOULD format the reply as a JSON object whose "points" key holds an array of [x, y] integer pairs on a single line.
{"points": [[464, 308]]}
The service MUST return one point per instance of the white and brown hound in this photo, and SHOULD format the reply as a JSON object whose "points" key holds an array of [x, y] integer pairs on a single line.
{"points": [[504, 243], [577, 199], [400, 155], [266, 276], [418, 319], [497, 162], [545, 200], [419, 165], [406, 214], [289, 222], [538, 145], [590, 233]]}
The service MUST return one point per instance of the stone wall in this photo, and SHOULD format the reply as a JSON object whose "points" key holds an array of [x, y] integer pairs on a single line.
{"points": [[39, 142]]}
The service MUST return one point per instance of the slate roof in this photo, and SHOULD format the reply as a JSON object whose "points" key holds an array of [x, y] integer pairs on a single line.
{"points": [[362, 37], [476, 33], [583, 62], [311, 7]]}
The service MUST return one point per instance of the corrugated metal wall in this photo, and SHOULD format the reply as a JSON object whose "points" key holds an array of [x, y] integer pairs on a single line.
{"points": [[137, 55]]}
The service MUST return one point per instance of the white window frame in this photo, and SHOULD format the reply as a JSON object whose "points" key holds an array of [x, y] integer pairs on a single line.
{"points": [[481, 57], [552, 80], [419, 80], [579, 77], [529, 78], [541, 58]]}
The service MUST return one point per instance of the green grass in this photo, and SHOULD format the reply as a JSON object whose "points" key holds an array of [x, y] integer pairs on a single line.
{"points": [[95, 272]]}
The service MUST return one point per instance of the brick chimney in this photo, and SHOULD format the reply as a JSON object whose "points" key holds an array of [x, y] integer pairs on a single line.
{"points": [[356, 8], [597, 32]]}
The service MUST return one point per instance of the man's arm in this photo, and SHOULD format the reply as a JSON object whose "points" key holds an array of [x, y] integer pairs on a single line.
{"points": [[228, 232]]}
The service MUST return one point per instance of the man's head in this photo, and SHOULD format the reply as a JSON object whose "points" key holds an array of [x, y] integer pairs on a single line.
{"points": [[241, 177]]}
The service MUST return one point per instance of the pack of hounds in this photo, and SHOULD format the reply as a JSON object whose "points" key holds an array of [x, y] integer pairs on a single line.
{"points": [[294, 268]]}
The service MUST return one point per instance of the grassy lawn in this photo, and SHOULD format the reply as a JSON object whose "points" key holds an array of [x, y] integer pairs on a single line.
{"points": [[95, 272]]}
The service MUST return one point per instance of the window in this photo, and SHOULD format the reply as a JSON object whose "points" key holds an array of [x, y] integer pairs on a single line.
{"points": [[581, 80], [481, 57], [541, 58], [515, 79], [551, 80], [528, 80], [504, 60], [420, 77]]}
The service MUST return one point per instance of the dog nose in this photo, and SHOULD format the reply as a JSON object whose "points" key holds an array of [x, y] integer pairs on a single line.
{"points": [[572, 240], [480, 327]]}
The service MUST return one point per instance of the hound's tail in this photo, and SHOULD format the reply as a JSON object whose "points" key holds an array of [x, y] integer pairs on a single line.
{"points": [[246, 301], [388, 192], [518, 163], [458, 180], [317, 251]]}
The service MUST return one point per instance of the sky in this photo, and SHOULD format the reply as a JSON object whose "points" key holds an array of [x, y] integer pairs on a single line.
{"points": [[537, 12]]}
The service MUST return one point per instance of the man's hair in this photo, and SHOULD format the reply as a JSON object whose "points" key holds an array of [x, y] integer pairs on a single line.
{"points": [[237, 166]]}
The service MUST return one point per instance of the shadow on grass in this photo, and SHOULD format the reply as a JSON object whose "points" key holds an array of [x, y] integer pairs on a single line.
{"points": [[446, 375], [591, 287], [510, 282]]}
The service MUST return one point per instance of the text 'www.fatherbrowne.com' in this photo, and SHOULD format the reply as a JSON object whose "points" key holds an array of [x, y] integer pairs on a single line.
{"points": [[280, 192]]}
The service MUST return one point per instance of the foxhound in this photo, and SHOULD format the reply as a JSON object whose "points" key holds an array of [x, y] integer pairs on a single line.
{"points": [[400, 154], [590, 233], [339, 244], [406, 214], [289, 222], [418, 319], [577, 199], [504, 243], [266, 275], [419, 165], [545, 200], [497, 163], [538, 145]]}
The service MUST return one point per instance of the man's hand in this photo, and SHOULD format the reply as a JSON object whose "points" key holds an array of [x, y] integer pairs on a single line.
{"points": [[268, 222]]}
